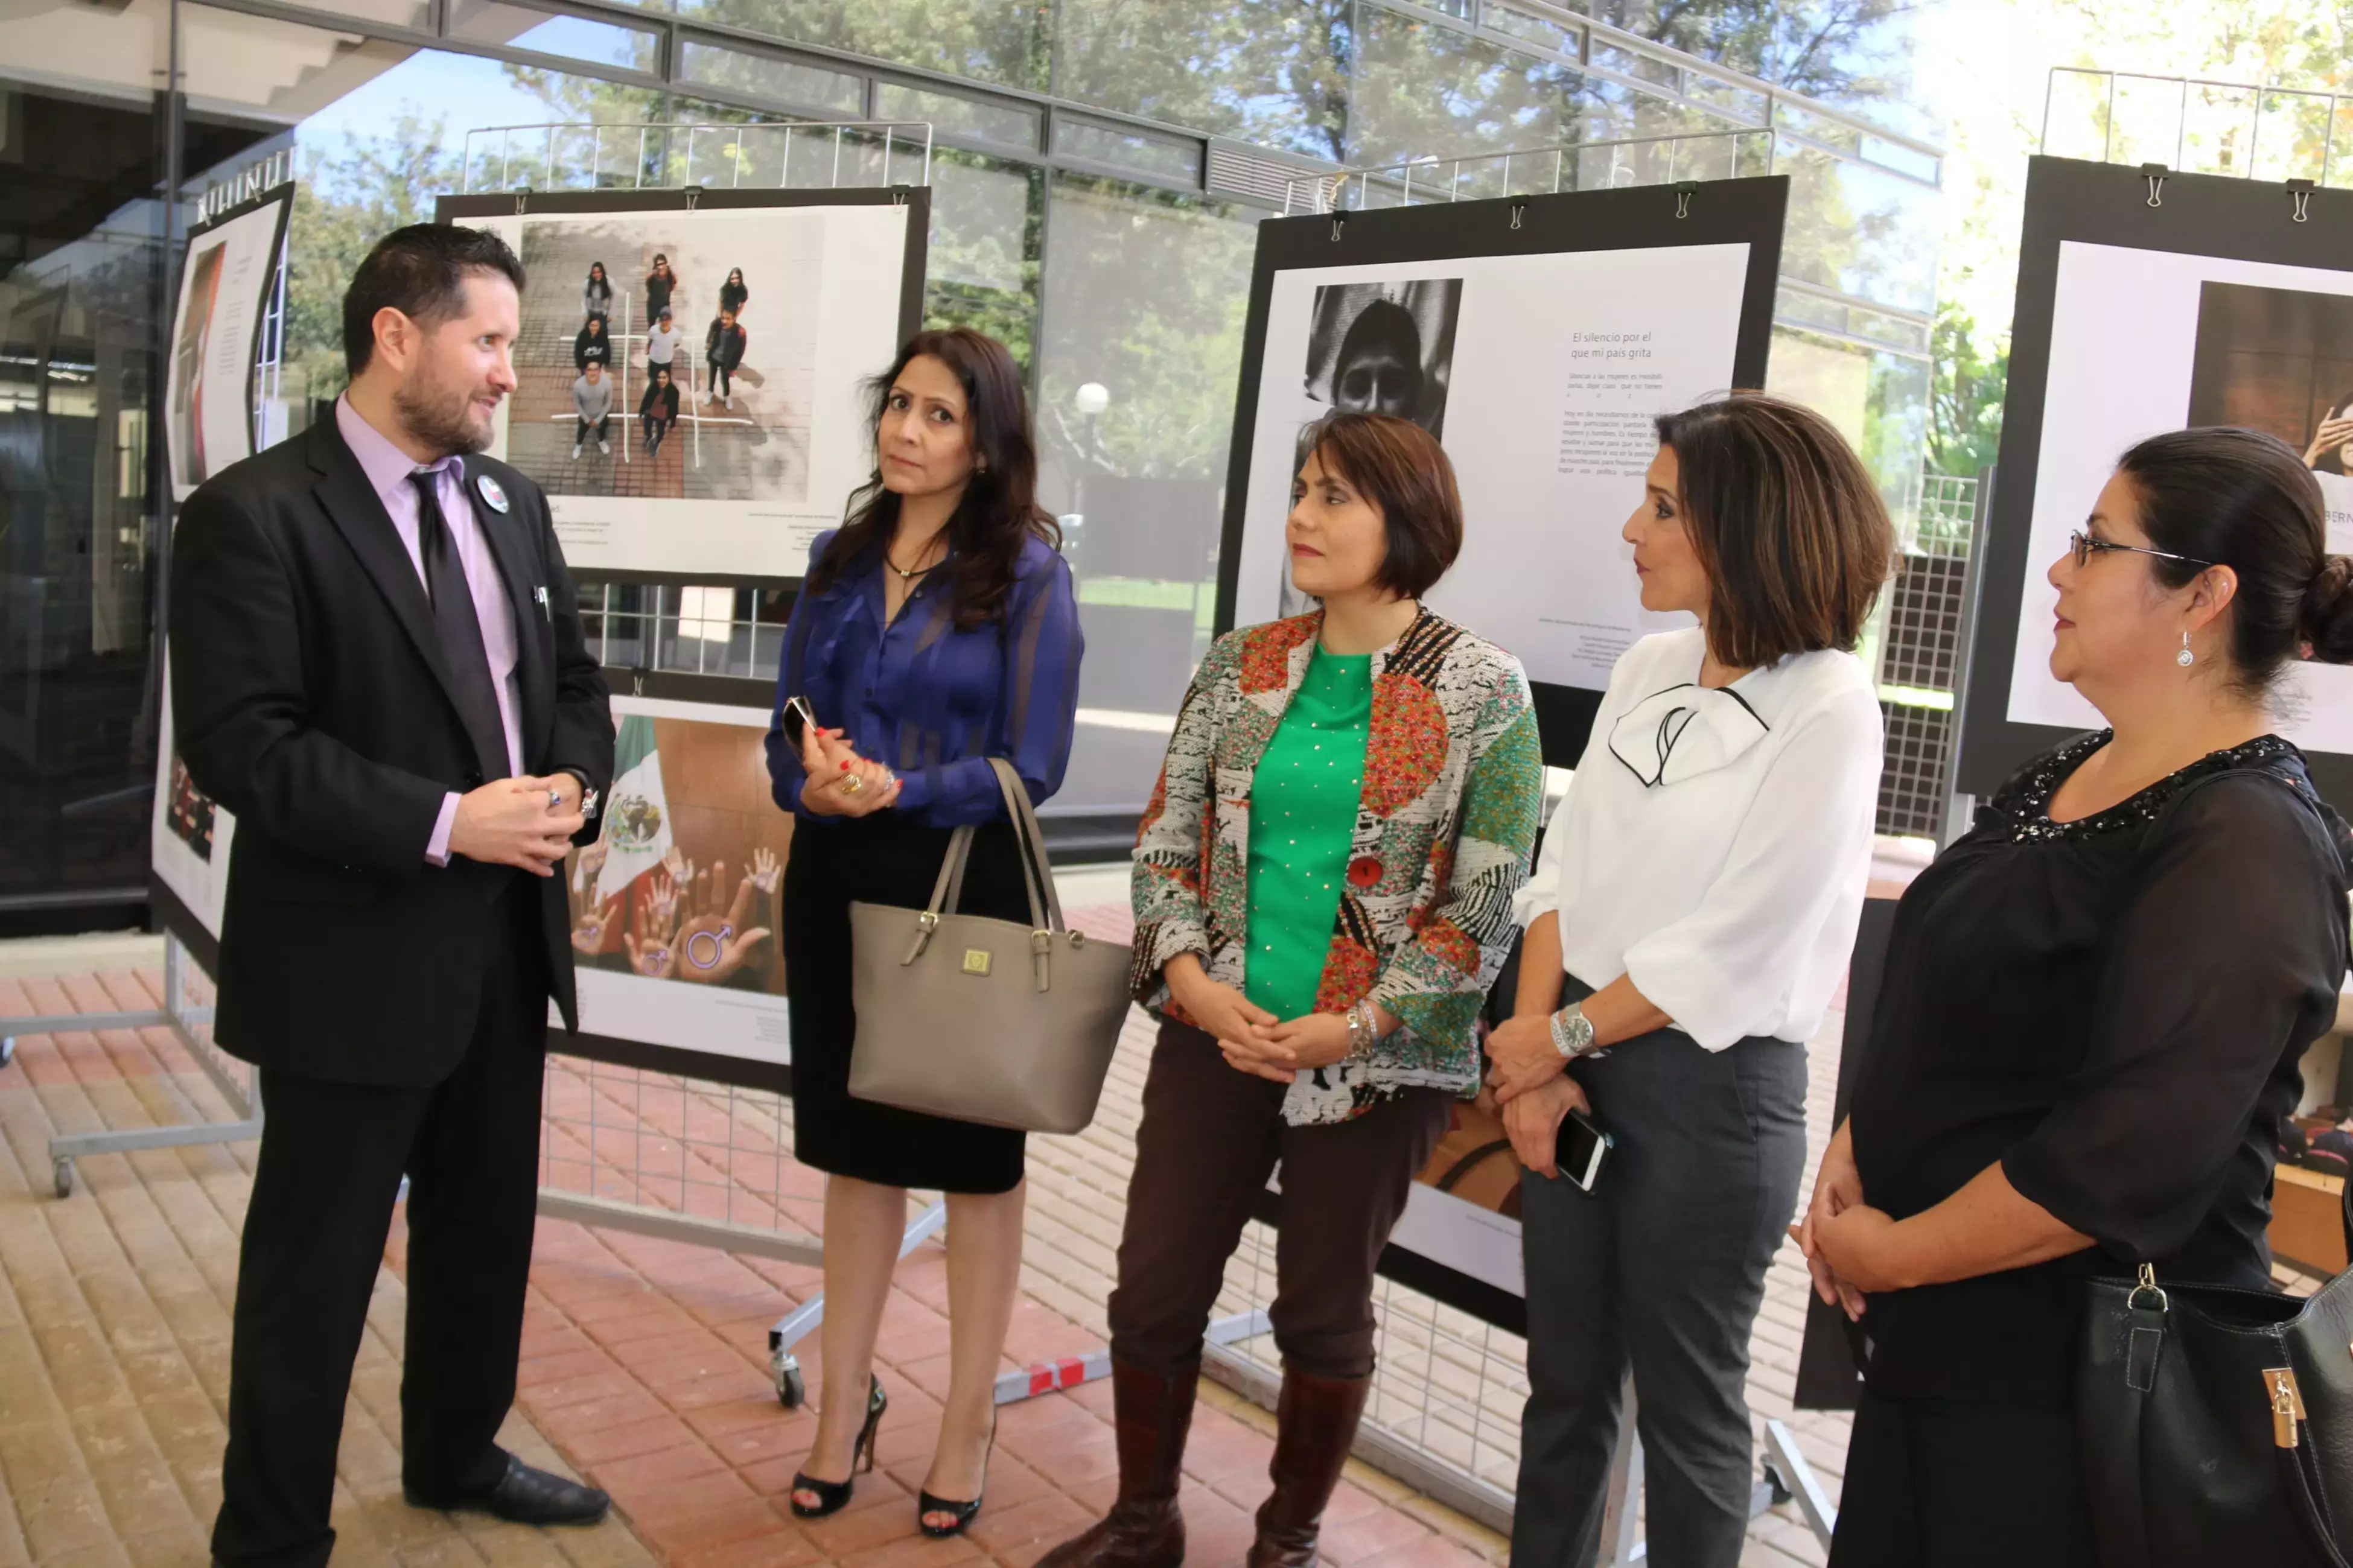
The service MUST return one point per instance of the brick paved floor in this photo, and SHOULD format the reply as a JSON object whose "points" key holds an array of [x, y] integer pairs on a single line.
{"points": [[114, 1330], [646, 1361], [645, 1369]]}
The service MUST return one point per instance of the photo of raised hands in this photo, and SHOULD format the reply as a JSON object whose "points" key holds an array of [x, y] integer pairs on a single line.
{"points": [[690, 891], [696, 923]]}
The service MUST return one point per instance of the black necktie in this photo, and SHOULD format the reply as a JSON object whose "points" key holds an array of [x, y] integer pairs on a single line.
{"points": [[461, 630]]}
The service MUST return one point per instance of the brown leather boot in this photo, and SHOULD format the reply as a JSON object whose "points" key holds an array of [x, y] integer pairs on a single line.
{"points": [[1315, 1423], [1143, 1529]]}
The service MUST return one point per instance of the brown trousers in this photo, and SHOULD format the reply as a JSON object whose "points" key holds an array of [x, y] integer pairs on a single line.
{"points": [[1210, 1138]]}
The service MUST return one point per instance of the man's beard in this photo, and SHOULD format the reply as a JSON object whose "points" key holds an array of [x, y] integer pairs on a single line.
{"points": [[436, 420]]}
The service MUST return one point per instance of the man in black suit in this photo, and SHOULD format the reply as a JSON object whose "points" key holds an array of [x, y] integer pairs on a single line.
{"points": [[377, 665]]}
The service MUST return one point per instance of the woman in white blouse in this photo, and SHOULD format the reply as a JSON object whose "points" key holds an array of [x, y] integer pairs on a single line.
{"points": [[1699, 887]]}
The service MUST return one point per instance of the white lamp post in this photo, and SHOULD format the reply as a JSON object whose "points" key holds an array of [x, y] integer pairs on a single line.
{"points": [[1091, 399]]}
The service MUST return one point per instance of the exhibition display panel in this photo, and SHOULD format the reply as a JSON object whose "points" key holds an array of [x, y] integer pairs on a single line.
{"points": [[781, 304], [1537, 337], [231, 279], [2150, 301]]}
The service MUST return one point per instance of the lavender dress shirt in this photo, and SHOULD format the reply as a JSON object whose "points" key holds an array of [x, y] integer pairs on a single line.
{"points": [[387, 468]]}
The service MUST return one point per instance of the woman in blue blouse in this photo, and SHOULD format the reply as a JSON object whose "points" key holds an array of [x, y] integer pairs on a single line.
{"points": [[935, 629]]}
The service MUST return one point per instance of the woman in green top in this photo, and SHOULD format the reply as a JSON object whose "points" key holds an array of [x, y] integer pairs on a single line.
{"points": [[1323, 892]]}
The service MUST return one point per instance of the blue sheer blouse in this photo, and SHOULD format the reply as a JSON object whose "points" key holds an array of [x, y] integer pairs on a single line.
{"points": [[931, 701]]}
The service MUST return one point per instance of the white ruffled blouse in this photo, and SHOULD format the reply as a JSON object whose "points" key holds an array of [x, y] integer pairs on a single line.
{"points": [[1716, 843]]}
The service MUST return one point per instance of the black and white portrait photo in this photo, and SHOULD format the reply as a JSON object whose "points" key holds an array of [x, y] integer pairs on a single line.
{"points": [[1384, 348], [1375, 348]]}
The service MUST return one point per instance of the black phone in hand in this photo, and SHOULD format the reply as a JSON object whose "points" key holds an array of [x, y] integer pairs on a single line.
{"points": [[1580, 1149], [799, 719]]}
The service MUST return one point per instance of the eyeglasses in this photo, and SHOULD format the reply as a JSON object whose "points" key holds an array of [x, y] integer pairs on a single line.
{"points": [[2085, 547]]}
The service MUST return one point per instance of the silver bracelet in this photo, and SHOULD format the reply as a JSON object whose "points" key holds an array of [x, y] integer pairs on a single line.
{"points": [[1364, 1033], [1572, 1032]]}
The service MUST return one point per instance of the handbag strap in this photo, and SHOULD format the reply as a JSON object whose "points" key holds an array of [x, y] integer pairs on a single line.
{"points": [[1037, 879], [1039, 869], [1471, 1161], [2145, 1322], [1036, 870]]}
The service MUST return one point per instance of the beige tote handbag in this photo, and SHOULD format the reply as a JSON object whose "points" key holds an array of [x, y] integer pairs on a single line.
{"points": [[986, 1020]]}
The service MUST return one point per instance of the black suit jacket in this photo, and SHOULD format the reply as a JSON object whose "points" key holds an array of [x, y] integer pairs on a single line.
{"points": [[309, 697]]}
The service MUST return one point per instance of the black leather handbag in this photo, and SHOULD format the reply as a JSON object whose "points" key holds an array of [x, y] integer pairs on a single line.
{"points": [[2217, 1425]]}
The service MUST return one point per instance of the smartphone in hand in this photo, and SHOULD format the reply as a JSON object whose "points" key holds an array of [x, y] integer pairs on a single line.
{"points": [[1581, 1148], [801, 721]]}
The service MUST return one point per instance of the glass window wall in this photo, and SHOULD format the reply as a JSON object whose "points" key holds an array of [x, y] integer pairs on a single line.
{"points": [[82, 292], [1270, 72], [1861, 230], [789, 81], [1069, 219], [1427, 90], [1001, 42], [1144, 298]]}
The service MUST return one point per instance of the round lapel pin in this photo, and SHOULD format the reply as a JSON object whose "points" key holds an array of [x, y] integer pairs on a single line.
{"points": [[492, 496]]}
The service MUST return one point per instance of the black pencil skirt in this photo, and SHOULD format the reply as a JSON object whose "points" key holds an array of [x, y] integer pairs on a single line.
{"points": [[884, 859]]}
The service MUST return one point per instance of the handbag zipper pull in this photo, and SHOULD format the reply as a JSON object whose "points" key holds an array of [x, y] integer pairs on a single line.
{"points": [[2288, 1404]]}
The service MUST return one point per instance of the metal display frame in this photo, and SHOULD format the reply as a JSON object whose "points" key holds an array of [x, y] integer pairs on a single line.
{"points": [[183, 1019], [625, 192], [1390, 219]]}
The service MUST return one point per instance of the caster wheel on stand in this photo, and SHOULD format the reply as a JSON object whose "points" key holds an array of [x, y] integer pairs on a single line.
{"points": [[792, 1393], [61, 1171]]}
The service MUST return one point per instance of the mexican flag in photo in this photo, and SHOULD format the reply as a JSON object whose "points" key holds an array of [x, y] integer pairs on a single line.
{"points": [[637, 813]]}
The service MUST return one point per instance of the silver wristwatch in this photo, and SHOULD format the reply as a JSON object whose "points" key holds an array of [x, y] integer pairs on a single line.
{"points": [[1572, 1032]]}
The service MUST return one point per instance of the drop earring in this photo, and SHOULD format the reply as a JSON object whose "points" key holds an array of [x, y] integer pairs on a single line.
{"points": [[2185, 658]]}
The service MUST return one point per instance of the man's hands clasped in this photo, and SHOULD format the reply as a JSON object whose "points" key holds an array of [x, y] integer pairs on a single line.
{"points": [[526, 822]]}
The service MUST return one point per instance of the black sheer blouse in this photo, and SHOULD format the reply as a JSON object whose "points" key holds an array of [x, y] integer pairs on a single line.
{"points": [[2114, 1008]]}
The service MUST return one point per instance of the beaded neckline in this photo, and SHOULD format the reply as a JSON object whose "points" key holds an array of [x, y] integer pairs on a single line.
{"points": [[2029, 808]]}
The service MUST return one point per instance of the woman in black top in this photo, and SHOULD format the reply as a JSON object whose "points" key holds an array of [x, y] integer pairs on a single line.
{"points": [[658, 408], [732, 293], [2093, 1009], [661, 284], [592, 346]]}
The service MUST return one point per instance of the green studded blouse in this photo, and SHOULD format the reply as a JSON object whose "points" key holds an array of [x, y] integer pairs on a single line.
{"points": [[1304, 801]]}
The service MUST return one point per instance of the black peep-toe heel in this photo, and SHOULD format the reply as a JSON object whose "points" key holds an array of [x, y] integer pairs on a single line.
{"points": [[832, 1497]]}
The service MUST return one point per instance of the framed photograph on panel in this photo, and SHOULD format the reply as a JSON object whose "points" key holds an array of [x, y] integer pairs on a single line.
{"points": [[227, 276], [677, 941], [691, 378]]}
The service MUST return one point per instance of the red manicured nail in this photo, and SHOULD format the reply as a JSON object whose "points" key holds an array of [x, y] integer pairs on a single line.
{"points": [[844, 767]]}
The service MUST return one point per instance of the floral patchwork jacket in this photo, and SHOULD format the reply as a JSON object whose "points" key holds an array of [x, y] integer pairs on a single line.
{"points": [[1453, 787]]}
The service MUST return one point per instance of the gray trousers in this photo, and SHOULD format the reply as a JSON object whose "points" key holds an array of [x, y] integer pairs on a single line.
{"points": [[1660, 1270]]}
